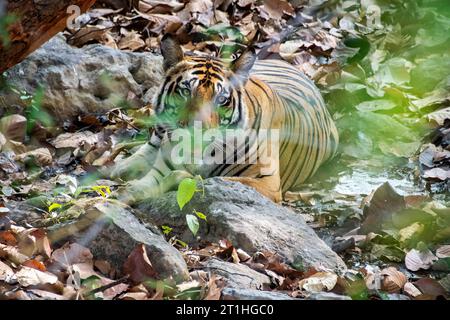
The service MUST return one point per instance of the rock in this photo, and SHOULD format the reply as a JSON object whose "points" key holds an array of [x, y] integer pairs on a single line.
{"points": [[252, 294], [92, 79], [249, 220], [111, 231], [237, 275]]}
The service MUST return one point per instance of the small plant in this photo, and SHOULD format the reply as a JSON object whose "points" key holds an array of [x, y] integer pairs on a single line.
{"points": [[186, 191]]}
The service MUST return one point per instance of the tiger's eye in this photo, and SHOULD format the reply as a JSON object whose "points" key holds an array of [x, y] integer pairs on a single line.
{"points": [[185, 92], [221, 100]]}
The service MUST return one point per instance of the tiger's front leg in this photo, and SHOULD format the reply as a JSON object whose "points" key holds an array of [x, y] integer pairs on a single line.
{"points": [[151, 186], [136, 165]]}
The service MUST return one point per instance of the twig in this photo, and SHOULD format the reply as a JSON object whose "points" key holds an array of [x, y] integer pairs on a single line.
{"points": [[106, 287]]}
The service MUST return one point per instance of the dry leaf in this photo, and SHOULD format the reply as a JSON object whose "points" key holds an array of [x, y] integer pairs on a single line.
{"points": [[215, 287], [443, 252], [131, 41], [318, 282], [138, 266], [134, 296], [6, 273], [12, 254], [32, 277], [35, 264], [416, 260], [430, 288], [8, 238], [74, 140], [393, 280], [411, 290], [71, 254], [42, 156], [14, 127]]}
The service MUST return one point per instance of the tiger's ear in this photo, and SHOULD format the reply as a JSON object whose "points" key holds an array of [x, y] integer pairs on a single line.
{"points": [[171, 51], [242, 65]]}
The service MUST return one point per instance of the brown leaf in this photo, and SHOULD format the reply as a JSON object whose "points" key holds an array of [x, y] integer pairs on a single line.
{"points": [[318, 282], [32, 277], [70, 254], [275, 9], [103, 266], [74, 140], [35, 264], [12, 254], [46, 295], [430, 287], [87, 34], [131, 41], [8, 238], [384, 202], [42, 243], [411, 290], [138, 266], [14, 127], [393, 280], [134, 296], [443, 252], [162, 23], [6, 273], [42, 156], [215, 287], [437, 173]]}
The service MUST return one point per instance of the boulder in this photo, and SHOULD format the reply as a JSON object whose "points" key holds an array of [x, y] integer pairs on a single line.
{"points": [[237, 275], [91, 79], [111, 231], [249, 220]]}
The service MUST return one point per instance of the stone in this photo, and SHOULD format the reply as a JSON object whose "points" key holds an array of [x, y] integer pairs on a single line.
{"points": [[252, 294], [111, 231], [237, 275], [88, 80], [249, 220]]}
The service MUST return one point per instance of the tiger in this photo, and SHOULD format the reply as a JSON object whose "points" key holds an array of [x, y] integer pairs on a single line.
{"points": [[247, 94]]}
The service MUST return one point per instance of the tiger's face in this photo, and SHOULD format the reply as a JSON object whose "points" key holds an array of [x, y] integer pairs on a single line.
{"points": [[201, 88]]}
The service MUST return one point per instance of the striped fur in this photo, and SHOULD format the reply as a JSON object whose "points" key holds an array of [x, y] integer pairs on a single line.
{"points": [[272, 95]]}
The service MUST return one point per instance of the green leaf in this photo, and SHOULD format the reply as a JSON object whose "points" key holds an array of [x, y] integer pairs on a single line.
{"points": [[186, 191], [166, 229], [200, 215], [104, 191], [192, 223], [182, 243], [54, 206], [375, 105]]}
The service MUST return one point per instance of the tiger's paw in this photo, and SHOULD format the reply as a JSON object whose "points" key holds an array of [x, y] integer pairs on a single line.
{"points": [[135, 166]]}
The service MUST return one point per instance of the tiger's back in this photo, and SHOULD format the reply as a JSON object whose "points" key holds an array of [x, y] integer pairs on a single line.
{"points": [[308, 134]]}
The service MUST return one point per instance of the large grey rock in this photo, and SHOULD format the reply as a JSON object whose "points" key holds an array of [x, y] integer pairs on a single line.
{"points": [[111, 231], [237, 275], [91, 79], [249, 220]]}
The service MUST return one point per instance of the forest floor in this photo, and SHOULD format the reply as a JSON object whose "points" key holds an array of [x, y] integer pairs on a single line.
{"points": [[382, 204]]}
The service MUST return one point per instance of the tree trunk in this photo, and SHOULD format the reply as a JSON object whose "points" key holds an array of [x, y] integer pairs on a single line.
{"points": [[36, 22]]}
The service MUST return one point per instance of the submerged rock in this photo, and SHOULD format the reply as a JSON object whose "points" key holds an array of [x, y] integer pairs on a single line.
{"points": [[92, 79], [249, 220]]}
